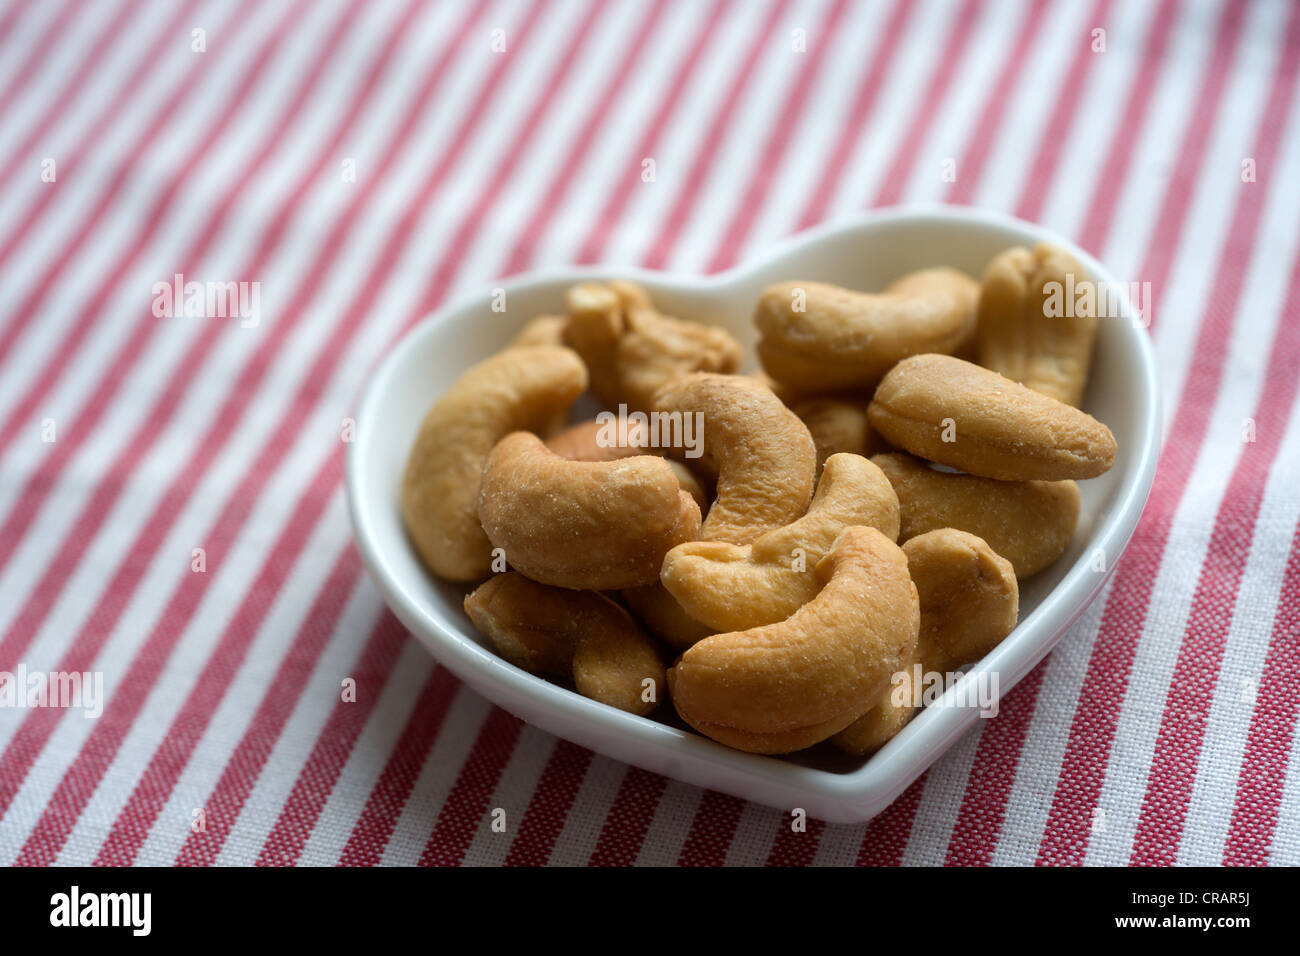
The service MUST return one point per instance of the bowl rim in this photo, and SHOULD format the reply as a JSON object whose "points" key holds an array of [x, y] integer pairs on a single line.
{"points": [[877, 782]]}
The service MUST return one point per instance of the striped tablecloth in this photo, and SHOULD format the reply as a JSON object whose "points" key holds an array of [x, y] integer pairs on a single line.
{"points": [[171, 510]]}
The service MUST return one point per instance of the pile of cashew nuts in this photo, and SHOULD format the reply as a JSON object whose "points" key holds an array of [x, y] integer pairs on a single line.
{"points": [[868, 503]]}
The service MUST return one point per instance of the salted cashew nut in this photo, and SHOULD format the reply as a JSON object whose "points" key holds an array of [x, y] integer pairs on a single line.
{"points": [[786, 686], [760, 451], [589, 525], [566, 633], [968, 417], [520, 388], [543, 330], [886, 718], [586, 441], [632, 349], [1031, 328], [661, 615], [838, 424], [969, 597], [815, 337], [1030, 523], [969, 602], [731, 587]]}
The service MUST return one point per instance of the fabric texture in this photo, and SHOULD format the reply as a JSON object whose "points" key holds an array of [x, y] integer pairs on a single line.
{"points": [[171, 505]]}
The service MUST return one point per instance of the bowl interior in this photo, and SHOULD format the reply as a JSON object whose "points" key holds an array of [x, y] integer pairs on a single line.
{"points": [[865, 255]]}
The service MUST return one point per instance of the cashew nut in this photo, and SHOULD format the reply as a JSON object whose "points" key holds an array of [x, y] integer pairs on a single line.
{"points": [[959, 414], [661, 615], [1029, 523], [969, 597], [520, 388], [1029, 330], [817, 337], [785, 686], [588, 525], [838, 425], [631, 349], [543, 330], [886, 718], [760, 451], [731, 587], [565, 633]]}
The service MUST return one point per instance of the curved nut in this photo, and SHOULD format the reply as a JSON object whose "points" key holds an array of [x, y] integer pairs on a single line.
{"points": [[786, 686], [578, 634], [965, 416], [838, 425], [732, 587], [520, 388], [890, 714], [1030, 523], [632, 349], [587, 441], [590, 525], [661, 615], [760, 451], [969, 597], [543, 330], [818, 337], [1028, 330]]}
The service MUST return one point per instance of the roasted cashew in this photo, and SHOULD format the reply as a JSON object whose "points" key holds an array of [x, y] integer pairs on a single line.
{"points": [[584, 442], [566, 633], [520, 388], [969, 597], [631, 349], [785, 686], [959, 414], [815, 337], [1030, 523], [589, 525], [731, 587], [760, 451], [886, 718], [1030, 329], [838, 424], [661, 615], [543, 330]]}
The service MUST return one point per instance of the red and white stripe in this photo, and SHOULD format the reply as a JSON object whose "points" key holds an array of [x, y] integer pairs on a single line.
{"points": [[1162, 730]]}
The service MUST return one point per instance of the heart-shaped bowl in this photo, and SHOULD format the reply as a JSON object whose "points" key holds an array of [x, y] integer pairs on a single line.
{"points": [[863, 253]]}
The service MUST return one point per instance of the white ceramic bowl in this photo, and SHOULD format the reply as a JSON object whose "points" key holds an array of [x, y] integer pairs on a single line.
{"points": [[863, 253]]}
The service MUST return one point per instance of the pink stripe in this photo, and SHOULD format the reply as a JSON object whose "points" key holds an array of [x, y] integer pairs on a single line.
{"points": [[1262, 779], [975, 836], [277, 705], [334, 746], [126, 168], [891, 188], [30, 738], [1187, 706], [465, 811], [13, 13], [979, 823], [1106, 193], [1042, 175], [593, 249], [712, 830], [107, 38], [860, 114], [41, 49], [754, 198], [374, 827], [522, 253], [97, 510], [971, 170], [545, 818], [92, 312], [796, 849], [629, 818], [688, 200], [1096, 716], [886, 838]]}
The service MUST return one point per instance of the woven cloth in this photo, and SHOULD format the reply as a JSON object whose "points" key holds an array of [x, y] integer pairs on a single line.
{"points": [[171, 505]]}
